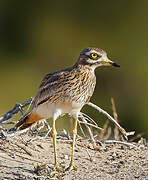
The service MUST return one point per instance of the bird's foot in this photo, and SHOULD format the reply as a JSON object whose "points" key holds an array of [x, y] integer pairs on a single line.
{"points": [[71, 167], [58, 168]]}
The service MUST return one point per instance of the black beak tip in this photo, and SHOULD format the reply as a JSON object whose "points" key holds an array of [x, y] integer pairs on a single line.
{"points": [[115, 64]]}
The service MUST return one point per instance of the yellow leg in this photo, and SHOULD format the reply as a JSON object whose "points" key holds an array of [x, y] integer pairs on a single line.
{"points": [[54, 133], [74, 133]]}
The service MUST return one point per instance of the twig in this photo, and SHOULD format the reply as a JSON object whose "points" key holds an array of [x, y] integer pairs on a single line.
{"points": [[89, 124], [84, 119], [88, 118], [136, 137], [8, 122], [108, 133], [114, 109], [17, 108], [119, 142], [14, 132], [90, 158], [35, 139], [112, 119], [48, 127], [17, 132], [66, 134], [86, 124], [115, 115], [22, 147], [81, 129], [43, 124], [105, 127]]}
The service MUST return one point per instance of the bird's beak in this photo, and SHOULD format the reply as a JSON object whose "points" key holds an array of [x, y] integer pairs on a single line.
{"points": [[108, 62]]}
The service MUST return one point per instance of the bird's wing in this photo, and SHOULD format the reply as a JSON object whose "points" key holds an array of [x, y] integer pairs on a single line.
{"points": [[46, 88], [50, 87]]}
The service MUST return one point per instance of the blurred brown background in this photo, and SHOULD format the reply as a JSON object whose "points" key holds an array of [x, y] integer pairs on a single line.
{"points": [[38, 37]]}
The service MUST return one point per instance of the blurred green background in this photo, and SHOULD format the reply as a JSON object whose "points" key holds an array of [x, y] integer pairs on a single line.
{"points": [[38, 37]]}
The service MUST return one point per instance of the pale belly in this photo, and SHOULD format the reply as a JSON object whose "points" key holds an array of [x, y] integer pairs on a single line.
{"points": [[48, 110]]}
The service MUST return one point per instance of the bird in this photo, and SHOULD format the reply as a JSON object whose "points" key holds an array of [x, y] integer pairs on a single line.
{"points": [[66, 92]]}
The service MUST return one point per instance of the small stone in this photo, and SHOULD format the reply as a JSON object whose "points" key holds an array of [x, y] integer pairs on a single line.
{"points": [[121, 162], [66, 156]]}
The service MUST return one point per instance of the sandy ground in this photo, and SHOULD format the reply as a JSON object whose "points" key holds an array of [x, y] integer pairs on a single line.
{"points": [[22, 159]]}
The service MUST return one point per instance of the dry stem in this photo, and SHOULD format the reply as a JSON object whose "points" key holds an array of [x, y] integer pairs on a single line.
{"points": [[122, 130]]}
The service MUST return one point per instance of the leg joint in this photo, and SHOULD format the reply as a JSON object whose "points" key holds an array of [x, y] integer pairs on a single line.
{"points": [[54, 132], [74, 132]]}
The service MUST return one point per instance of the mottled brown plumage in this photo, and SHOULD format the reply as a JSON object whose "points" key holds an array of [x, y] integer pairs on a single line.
{"points": [[73, 84], [67, 91]]}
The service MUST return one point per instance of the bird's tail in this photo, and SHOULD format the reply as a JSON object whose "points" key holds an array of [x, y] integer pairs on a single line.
{"points": [[27, 121]]}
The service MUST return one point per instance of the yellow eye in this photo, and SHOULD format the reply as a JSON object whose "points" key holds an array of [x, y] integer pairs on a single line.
{"points": [[94, 55]]}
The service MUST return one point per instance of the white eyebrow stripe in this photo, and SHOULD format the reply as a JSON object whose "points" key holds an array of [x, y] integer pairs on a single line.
{"points": [[103, 55], [92, 51]]}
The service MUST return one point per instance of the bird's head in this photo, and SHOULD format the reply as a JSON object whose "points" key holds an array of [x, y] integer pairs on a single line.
{"points": [[95, 57]]}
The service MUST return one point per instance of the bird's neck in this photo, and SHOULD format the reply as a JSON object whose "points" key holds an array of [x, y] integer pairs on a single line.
{"points": [[85, 67], [80, 68]]}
